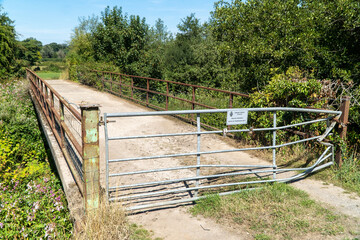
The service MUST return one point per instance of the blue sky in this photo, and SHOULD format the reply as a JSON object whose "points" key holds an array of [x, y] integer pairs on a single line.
{"points": [[54, 20]]}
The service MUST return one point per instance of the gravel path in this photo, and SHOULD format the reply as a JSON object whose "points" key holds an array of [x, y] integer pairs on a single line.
{"points": [[176, 223]]}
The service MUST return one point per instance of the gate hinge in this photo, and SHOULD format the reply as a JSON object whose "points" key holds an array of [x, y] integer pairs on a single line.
{"points": [[102, 122]]}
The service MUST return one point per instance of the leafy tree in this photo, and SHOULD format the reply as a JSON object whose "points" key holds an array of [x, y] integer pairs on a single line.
{"points": [[258, 35], [119, 39], [180, 56], [338, 45], [159, 32], [29, 50], [81, 44], [7, 45]]}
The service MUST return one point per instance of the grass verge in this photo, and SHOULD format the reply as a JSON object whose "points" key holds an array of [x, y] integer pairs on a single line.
{"points": [[347, 177], [110, 222], [48, 75], [277, 211]]}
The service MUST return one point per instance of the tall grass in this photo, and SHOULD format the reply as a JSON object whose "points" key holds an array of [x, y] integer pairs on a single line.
{"points": [[110, 222], [277, 211], [346, 176]]}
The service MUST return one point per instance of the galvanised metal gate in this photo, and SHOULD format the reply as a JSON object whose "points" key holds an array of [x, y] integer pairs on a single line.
{"points": [[140, 184]]}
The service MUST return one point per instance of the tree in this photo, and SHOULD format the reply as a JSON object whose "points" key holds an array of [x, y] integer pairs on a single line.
{"points": [[7, 45], [81, 44], [159, 32], [54, 50], [119, 39], [256, 36], [180, 56], [29, 50], [190, 28]]}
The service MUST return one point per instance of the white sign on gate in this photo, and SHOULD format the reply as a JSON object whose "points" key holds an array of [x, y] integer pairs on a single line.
{"points": [[237, 117]]}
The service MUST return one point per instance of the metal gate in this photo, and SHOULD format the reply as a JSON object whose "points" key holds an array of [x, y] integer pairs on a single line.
{"points": [[163, 174]]}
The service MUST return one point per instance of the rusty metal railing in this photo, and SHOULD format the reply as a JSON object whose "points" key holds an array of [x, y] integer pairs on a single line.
{"points": [[76, 134], [143, 89], [109, 77]]}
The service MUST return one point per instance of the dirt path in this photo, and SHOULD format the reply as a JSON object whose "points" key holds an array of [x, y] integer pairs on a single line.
{"points": [[176, 223]]}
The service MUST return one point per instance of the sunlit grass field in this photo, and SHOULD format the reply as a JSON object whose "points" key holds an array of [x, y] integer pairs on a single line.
{"points": [[48, 75]]}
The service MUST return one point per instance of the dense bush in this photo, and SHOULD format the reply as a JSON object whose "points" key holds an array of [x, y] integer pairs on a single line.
{"points": [[32, 202]]}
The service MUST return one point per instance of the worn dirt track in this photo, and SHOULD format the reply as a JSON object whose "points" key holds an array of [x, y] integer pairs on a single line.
{"points": [[177, 223]]}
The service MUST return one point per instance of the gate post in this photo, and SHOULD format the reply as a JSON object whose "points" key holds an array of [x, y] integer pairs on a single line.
{"points": [[90, 153], [342, 128]]}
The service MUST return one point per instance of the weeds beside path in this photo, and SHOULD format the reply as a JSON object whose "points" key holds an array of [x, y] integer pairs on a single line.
{"points": [[278, 211], [32, 202]]}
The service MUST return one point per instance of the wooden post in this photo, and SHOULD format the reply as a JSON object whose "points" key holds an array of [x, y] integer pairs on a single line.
{"points": [[231, 99], [120, 86], [193, 97], [90, 153], [111, 82], [342, 128], [147, 92], [167, 96], [132, 88]]}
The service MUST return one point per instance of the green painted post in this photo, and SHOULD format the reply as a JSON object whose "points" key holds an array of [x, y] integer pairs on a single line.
{"points": [[90, 146]]}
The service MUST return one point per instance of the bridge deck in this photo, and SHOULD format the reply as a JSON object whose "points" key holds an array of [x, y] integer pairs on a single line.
{"points": [[79, 94], [174, 222]]}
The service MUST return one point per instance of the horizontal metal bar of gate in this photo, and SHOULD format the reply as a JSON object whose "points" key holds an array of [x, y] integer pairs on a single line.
{"points": [[219, 132], [192, 199], [182, 112], [195, 188], [213, 152], [241, 169], [321, 159], [229, 166]]}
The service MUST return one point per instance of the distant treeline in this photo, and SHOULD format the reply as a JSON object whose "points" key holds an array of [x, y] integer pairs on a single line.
{"points": [[15, 54]]}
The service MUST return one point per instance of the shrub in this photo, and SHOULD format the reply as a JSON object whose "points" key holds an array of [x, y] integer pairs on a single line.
{"points": [[32, 203], [34, 209]]}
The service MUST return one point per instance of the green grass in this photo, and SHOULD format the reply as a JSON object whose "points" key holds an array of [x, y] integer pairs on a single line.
{"points": [[347, 177], [48, 75], [276, 211]]}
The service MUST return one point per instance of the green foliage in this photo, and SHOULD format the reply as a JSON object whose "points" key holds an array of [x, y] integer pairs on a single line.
{"points": [[29, 51], [54, 51], [49, 75], [291, 89], [347, 176], [119, 39], [256, 36], [33, 210], [353, 135], [32, 203], [7, 46], [19, 132]]}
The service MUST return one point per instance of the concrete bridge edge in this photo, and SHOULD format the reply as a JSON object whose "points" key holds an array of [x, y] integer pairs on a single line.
{"points": [[72, 193]]}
